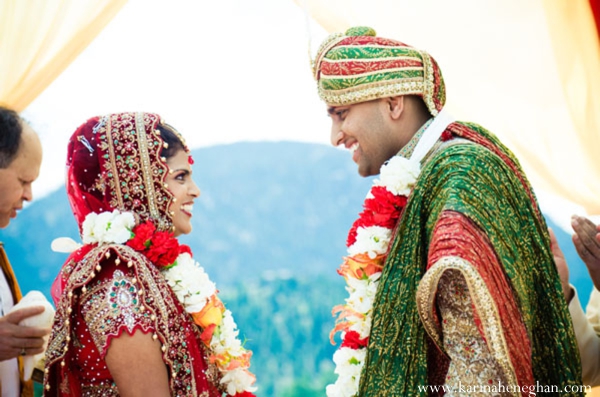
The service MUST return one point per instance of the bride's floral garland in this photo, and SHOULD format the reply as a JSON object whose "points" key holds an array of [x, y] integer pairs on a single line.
{"points": [[191, 285], [368, 243]]}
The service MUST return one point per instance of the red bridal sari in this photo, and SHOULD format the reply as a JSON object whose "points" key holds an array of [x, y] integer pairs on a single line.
{"points": [[106, 290]]}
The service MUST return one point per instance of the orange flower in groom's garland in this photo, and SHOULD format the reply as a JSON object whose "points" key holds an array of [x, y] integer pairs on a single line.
{"points": [[361, 266]]}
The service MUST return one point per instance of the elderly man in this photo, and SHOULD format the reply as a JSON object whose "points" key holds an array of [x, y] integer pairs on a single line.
{"points": [[20, 159], [452, 283]]}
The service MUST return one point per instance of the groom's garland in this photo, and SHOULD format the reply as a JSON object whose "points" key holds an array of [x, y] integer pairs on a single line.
{"points": [[191, 285], [368, 243]]}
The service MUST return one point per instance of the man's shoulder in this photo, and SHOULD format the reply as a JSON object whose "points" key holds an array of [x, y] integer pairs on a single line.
{"points": [[461, 155]]}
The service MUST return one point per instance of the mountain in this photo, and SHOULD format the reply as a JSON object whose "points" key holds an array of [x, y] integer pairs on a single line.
{"points": [[264, 207], [270, 229]]}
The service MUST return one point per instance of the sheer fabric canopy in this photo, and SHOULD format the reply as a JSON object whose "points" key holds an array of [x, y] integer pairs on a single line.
{"points": [[39, 39], [526, 70]]}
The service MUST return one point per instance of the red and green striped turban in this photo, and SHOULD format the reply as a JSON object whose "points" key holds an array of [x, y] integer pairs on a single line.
{"points": [[357, 66]]}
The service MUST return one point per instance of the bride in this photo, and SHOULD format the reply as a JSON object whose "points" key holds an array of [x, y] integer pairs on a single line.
{"points": [[136, 315]]}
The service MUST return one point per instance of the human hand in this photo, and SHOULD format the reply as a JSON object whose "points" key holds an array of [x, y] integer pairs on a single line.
{"points": [[587, 244], [16, 339], [561, 266]]}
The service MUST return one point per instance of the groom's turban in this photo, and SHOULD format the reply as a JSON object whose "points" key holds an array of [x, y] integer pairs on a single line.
{"points": [[357, 67]]}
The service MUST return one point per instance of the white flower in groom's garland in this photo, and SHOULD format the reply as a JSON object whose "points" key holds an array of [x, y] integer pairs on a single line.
{"points": [[398, 175], [372, 240], [349, 363], [362, 293]]}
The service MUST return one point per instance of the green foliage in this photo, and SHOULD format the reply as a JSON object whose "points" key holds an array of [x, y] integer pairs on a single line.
{"points": [[287, 322]]}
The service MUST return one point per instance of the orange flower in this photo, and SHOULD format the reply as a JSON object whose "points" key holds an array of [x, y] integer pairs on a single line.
{"points": [[360, 266], [211, 314]]}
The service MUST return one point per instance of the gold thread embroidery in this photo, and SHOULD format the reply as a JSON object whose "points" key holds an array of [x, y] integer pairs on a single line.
{"points": [[370, 91], [428, 83], [113, 167], [146, 172], [482, 301]]}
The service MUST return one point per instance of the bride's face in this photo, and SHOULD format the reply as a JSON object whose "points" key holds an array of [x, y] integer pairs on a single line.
{"points": [[184, 190]]}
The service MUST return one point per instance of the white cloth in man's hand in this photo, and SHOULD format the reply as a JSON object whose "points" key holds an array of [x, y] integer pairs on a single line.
{"points": [[43, 320]]}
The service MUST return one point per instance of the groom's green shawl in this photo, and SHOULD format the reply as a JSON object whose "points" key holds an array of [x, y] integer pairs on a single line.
{"points": [[491, 191]]}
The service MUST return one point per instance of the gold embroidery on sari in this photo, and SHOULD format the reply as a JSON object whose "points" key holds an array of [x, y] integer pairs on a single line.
{"points": [[111, 166], [133, 167], [145, 157], [104, 390], [158, 302], [112, 304]]}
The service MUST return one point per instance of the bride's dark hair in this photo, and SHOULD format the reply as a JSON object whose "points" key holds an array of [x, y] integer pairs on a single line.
{"points": [[168, 134]]}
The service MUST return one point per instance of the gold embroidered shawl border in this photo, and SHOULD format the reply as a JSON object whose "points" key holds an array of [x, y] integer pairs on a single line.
{"points": [[482, 301]]}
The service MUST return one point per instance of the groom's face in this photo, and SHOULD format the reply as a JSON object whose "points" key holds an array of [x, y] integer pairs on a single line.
{"points": [[363, 128]]}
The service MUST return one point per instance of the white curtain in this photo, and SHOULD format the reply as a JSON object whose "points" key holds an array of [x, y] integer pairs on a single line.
{"points": [[40, 38]]}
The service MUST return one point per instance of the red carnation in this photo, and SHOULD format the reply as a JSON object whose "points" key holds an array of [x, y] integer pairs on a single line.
{"points": [[163, 250], [244, 394], [353, 341], [183, 249], [385, 207], [143, 233], [352, 233]]}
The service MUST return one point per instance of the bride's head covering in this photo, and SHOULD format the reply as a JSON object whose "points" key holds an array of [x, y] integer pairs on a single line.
{"points": [[118, 161]]}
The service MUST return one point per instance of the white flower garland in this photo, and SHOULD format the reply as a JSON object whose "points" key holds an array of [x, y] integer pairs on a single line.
{"points": [[398, 176], [191, 285]]}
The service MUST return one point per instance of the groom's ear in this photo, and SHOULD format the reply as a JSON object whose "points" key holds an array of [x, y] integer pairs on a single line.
{"points": [[395, 106]]}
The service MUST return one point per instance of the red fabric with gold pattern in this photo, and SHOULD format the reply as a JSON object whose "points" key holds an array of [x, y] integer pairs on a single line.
{"points": [[351, 68], [114, 162], [121, 298], [358, 66], [456, 235]]}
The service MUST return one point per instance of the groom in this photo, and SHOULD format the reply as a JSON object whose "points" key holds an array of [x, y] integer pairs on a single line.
{"points": [[467, 292]]}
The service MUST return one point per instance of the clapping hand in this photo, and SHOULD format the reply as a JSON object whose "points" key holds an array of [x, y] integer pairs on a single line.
{"points": [[587, 244], [561, 266]]}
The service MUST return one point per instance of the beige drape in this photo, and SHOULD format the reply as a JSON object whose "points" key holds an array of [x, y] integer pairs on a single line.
{"points": [[527, 70], [40, 38]]}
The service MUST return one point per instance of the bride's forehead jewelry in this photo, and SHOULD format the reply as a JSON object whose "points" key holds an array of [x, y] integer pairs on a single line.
{"points": [[85, 143]]}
